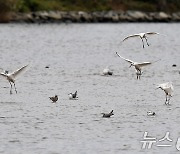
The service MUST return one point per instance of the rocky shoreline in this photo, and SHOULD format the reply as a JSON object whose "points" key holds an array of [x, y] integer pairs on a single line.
{"points": [[94, 17]]}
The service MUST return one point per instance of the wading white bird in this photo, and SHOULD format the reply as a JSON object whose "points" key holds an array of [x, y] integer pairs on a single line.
{"points": [[73, 96], [138, 66], [150, 113], [142, 36], [168, 89], [11, 77]]}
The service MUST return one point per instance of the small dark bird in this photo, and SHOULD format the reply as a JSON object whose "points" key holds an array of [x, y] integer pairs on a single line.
{"points": [[73, 96], [54, 99], [107, 115]]}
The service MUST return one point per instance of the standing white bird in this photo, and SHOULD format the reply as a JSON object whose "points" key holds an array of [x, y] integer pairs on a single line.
{"points": [[12, 76], [138, 66], [168, 89], [141, 35]]}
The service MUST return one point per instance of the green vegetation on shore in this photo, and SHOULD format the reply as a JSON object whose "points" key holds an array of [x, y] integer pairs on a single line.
{"points": [[89, 5]]}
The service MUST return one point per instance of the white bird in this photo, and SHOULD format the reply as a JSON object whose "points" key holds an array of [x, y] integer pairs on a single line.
{"points": [[11, 77], [150, 113], [141, 35], [168, 89], [138, 66], [73, 96], [107, 71]]}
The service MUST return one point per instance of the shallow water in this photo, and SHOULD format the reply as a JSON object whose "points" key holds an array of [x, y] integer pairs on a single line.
{"points": [[76, 55]]}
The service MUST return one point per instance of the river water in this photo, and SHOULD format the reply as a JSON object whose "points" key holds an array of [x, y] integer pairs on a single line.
{"points": [[76, 54]]}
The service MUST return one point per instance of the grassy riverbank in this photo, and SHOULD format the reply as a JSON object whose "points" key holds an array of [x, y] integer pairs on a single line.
{"points": [[89, 5], [24, 6]]}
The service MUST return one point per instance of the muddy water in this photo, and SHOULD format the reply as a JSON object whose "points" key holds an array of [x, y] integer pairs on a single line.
{"points": [[76, 54]]}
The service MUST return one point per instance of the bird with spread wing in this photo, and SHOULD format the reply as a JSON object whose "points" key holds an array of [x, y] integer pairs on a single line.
{"points": [[11, 77], [138, 66], [142, 36]]}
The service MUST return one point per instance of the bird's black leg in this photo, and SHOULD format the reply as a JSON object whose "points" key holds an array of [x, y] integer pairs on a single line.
{"points": [[15, 88], [169, 99], [146, 41], [142, 42], [139, 73], [11, 87], [166, 99]]}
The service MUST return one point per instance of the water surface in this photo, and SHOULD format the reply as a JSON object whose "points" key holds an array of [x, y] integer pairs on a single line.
{"points": [[76, 55]]}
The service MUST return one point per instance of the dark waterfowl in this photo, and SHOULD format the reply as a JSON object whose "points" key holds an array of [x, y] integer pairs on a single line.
{"points": [[107, 115], [54, 99]]}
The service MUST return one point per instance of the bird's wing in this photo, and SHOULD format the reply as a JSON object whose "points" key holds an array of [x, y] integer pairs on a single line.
{"points": [[75, 94], [164, 85], [151, 33], [144, 64], [134, 35], [128, 60], [18, 72], [3, 75]]}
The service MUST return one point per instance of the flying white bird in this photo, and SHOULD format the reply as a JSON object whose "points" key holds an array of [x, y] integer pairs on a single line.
{"points": [[11, 77], [138, 66], [73, 96], [168, 89], [141, 35]]}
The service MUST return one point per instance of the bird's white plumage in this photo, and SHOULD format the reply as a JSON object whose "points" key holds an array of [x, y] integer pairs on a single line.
{"points": [[12, 76], [135, 63], [134, 35], [70, 96], [138, 66], [19, 72], [73, 96], [128, 60], [15, 74], [143, 64], [140, 35], [107, 71], [167, 87], [151, 33]]}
